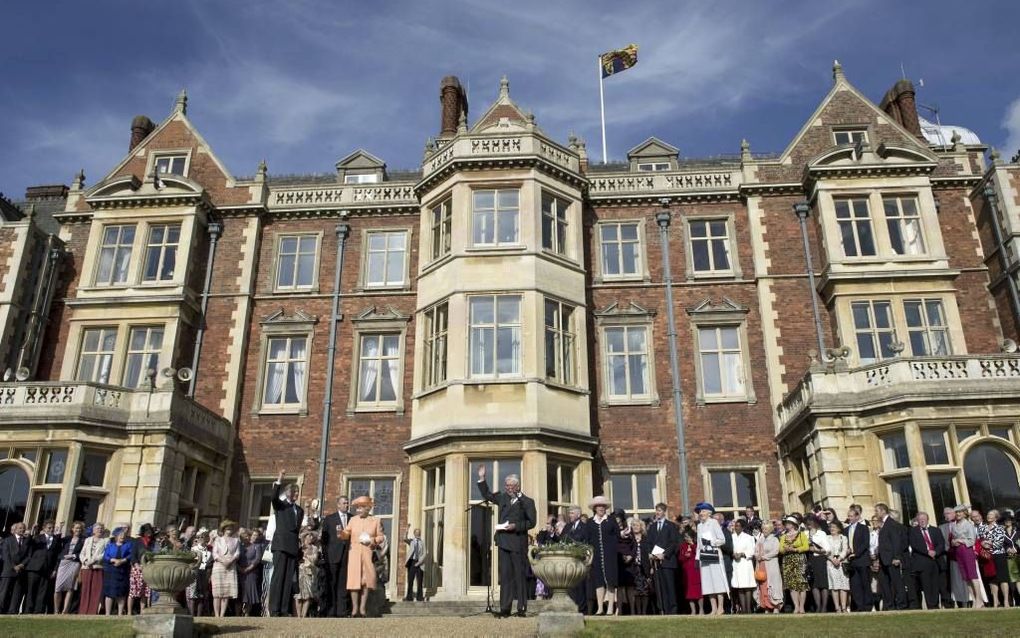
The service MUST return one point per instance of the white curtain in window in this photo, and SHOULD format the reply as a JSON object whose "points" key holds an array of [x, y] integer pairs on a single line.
{"points": [[392, 347], [103, 373], [274, 383], [369, 367], [913, 242]]}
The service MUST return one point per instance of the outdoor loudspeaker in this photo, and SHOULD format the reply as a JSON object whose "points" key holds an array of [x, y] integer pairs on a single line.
{"points": [[185, 374], [22, 374]]}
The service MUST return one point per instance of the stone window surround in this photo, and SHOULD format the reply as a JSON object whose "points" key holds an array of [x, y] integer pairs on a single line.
{"points": [[421, 383], [734, 271], [573, 333], [444, 200], [569, 248], [154, 155], [729, 315], [68, 489], [277, 241], [136, 265], [523, 333], [874, 191], [918, 470], [76, 336], [363, 267], [760, 471], [639, 317], [851, 128], [643, 273], [278, 325], [496, 246], [377, 324], [394, 520], [660, 482], [264, 479], [848, 335]]}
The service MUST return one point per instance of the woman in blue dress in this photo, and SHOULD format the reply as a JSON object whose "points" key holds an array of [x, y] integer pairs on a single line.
{"points": [[117, 571], [603, 533]]}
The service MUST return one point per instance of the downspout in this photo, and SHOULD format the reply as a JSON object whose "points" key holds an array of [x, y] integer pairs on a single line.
{"points": [[39, 318], [992, 197], [803, 209], [662, 219], [215, 229], [342, 231]]}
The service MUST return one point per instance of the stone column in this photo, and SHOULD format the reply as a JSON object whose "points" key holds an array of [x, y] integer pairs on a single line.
{"points": [[533, 469], [455, 540]]}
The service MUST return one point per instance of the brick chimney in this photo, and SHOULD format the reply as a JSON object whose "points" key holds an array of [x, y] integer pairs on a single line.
{"points": [[46, 191], [899, 103], [454, 104], [141, 126]]}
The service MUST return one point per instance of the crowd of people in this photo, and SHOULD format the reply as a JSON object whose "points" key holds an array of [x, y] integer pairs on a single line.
{"points": [[818, 562], [300, 564]]}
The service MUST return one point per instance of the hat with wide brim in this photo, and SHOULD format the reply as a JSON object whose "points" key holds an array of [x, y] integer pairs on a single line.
{"points": [[962, 507], [791, 519], [227, 523], [704, 506], [599, 500], [363, 501]]}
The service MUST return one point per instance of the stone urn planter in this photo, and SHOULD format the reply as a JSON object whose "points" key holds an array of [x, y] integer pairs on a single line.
{"points": [[169, 574], [561, 567]]}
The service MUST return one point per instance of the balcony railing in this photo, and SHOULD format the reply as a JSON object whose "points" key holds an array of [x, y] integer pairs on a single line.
{"points": [[71, 402], [937, 378]]}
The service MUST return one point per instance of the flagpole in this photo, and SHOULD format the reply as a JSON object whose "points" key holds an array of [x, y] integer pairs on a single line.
{"points": [[602, 104]]}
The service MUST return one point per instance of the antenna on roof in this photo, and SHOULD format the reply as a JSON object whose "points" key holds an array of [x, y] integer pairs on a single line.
{"points": [[903, 72]]}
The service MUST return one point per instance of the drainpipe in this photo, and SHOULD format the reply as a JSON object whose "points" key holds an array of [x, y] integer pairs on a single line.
{"points": [[39, 318], [663, 219], [992, 197], [215, 229], [803, 209], [342, 230]]}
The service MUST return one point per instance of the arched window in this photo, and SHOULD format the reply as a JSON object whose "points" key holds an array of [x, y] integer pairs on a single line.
{"points": [[991, 477], [13, 496]]}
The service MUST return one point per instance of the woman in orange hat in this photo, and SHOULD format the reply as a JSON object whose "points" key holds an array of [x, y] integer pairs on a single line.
{"points": [[365, 534]]}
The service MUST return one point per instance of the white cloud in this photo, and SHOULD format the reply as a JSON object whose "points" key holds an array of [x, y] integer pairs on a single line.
{"points": [[1011, 122]]}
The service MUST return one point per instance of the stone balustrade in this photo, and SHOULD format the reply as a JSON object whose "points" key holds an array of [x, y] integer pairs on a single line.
{"points": [[498, 146], [342, 195], [75, 402], [664, 182], [830, 389]]}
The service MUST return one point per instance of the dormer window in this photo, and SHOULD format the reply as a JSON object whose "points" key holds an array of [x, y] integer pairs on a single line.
{"points": [[171, 164], [649, 167], [850, 136], [364, 178]]}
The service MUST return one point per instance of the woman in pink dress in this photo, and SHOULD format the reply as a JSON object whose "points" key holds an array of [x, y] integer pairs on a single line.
{"points": [[691, 571], [365, 534]]}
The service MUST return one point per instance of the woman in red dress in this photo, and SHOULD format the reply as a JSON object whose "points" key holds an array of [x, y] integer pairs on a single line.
{"points": [[691, 571]]}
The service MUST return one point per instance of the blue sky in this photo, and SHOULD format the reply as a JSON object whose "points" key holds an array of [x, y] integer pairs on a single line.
{"points": [[302, 83]]}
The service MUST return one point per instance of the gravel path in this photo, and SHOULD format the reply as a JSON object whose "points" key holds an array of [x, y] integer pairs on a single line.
{"points": [[418, 627]]}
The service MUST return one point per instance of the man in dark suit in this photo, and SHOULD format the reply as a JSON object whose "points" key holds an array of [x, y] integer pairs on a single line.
{"points": [[337, 551], [14, 553], [663, 533], [41, 569], [574, 531], [892, 554], [516, 516], [286, 546], [928, 548], [859, 541]]}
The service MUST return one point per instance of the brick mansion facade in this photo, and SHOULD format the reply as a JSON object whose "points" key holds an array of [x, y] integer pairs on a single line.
{"points": [[843, 326]]}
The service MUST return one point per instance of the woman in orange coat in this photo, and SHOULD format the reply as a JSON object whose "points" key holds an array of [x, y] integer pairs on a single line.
{"points": [[365, 534]]}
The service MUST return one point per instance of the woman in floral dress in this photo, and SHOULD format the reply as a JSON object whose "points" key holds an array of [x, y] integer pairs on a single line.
{"points": [[198, 589], [223, 581], [794, 546], [839, 582], [306, 574]]}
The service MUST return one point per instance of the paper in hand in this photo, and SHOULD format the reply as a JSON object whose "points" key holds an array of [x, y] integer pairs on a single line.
{"points": [[502, 527], [658, 552]]}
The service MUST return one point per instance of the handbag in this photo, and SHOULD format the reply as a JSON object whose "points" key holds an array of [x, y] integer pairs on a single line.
{"points": [[761, 575], [709, 555]]}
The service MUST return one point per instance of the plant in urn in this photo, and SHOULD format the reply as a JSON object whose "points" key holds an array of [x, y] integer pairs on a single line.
{"points": [[561, 566], [168, 572]]}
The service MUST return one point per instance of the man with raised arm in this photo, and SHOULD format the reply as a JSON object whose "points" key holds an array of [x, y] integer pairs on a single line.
{"points": [[516, 516]]}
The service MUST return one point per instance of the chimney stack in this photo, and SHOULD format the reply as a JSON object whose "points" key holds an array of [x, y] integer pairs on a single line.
{"points": [[454, 105], [899, 103], [141, 126]]}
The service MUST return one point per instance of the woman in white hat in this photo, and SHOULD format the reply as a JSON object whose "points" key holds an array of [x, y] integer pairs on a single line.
{"points": [[365, 533], [602, 534]]}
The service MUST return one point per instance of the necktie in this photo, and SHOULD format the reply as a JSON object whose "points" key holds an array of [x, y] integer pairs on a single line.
{"points": [[414, 551], [659, 528], [927, 540]]}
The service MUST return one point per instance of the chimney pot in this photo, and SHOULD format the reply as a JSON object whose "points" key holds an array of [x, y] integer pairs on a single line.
{"points": [[454, 105], [141, 126]]}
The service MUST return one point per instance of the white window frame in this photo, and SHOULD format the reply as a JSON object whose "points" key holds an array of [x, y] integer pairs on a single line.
{"points": [[727, 314], [170, 159], [496, 327], [901, 221], [294, 286], [855, 220], [640, 265], [287, 360], [657, 494], [372, 322], [165, 247], [557, 216], [497, 213], [361, 178], [397, 360], [722, 353], [563, 333], [761, 494], [148, 353], [387, 252], [252, 504], [733, 269], [99, 354], [117, 248], [851, 134], [607, 370], [566, 471], [441, 226], [873, 330], [652, 167], [391, 522], [436, 345], [927, 330]]}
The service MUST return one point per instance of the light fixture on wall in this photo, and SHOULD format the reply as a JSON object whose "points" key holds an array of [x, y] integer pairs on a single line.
{"points": [[22, 374]]}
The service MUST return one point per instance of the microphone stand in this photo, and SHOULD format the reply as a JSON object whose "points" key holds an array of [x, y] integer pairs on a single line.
{"points": [[487, 557]]}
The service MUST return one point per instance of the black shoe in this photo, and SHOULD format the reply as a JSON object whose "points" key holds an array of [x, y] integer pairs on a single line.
{"points": [[501, 614], [521, 613], [407, 600], [420, 600]]}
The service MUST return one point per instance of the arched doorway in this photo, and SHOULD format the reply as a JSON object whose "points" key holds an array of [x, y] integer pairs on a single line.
{"points": [[13, 496], [991, 477]]}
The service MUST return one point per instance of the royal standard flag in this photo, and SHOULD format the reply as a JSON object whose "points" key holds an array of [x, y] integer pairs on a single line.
{"points": [[618, 60]]}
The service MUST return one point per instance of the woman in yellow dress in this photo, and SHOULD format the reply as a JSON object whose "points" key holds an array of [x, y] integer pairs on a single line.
{"points": [[365, 534]]}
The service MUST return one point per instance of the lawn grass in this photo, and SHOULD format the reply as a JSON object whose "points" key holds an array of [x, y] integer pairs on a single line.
{"points": [[65, 626], [959, 622]]}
